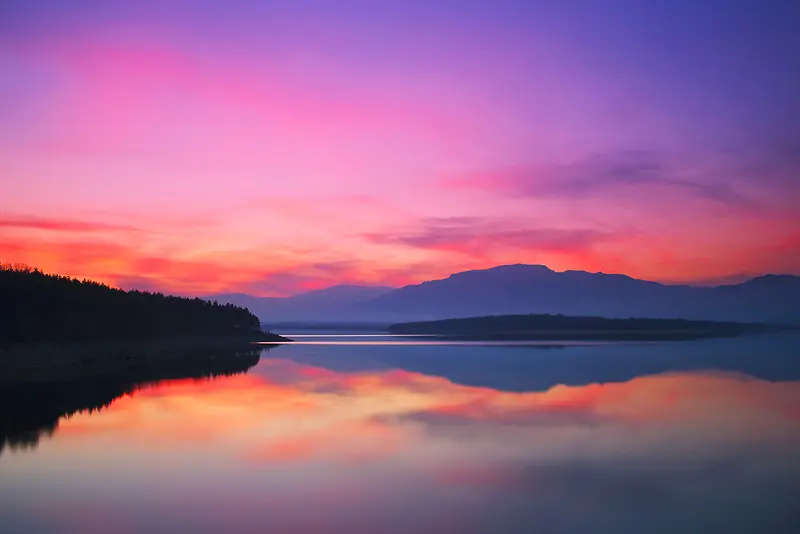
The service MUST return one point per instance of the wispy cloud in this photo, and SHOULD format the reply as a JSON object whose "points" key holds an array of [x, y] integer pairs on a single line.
{"points": [[60, 225], [621, 172], [476, 235]]}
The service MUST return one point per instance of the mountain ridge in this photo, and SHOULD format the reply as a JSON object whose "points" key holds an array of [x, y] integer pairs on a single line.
{"points": [[522, 288], [519, 288], [317, 305]]}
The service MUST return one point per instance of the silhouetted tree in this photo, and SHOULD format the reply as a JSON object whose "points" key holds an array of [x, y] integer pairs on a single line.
{"points": [[35, 306]]}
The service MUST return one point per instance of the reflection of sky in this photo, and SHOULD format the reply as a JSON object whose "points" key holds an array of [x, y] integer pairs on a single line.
{"points": [[295, 447]]}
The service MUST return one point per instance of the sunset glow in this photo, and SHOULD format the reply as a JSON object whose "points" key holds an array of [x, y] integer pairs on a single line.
{"points": [[377, 448], [302, 413], [277, 147]]}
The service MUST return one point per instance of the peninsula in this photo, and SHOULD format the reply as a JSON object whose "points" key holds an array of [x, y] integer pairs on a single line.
{"points": [[57, 328]]}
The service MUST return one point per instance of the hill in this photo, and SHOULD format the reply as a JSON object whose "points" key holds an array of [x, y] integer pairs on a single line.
{"points": [[535, 289], [39, 307]]}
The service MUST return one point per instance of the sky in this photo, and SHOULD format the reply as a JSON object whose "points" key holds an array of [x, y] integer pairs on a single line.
{"points": [[271, 148]]}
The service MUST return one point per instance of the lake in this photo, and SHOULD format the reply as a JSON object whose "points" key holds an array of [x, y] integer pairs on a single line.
{"points": [[385, 434]]}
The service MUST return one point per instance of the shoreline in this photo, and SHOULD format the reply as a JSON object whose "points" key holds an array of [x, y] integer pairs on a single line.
{"points": [[573, 328], [586, 335]]}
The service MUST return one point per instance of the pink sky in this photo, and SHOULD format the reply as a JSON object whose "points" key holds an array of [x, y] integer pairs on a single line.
{"points": [[272, 151]]}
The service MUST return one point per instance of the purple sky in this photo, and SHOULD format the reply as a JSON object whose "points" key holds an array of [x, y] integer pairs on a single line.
{"points": [[275, 147]]}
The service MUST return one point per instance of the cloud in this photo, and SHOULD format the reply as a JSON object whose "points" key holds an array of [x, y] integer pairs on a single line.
{"points": [[605, 174], [60, 225], [769, 159], [160, 262], [306, 277], [478, 236], [128, 266], [140, 283]]}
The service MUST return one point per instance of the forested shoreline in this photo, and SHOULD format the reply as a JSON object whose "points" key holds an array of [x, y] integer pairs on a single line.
{"points": [[40, 307], [544, 327], [59, 329]]}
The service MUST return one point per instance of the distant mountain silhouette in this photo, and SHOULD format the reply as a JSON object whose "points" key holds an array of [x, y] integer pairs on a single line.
{"points": [[318, 305], [523, 289]]}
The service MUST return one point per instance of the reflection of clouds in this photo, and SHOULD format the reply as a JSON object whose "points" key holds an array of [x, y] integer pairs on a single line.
{"points": [[675, 416], [356, 442], [574, 458], [323, 380], [287, 408], [753, 493], [179, 411], [707, 451]]}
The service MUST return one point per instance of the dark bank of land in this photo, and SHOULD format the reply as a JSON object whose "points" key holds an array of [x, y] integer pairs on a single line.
{"points": [[56, 328], [567, 328]]}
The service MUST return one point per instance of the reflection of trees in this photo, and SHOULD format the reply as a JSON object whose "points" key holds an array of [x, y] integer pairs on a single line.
{"points": [[30, 411]]}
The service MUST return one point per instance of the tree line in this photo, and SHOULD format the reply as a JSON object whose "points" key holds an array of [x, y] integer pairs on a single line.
{"points": [[35, 306]]}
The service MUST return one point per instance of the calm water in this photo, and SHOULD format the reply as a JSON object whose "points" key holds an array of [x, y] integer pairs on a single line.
{"points": [[376, 435]]}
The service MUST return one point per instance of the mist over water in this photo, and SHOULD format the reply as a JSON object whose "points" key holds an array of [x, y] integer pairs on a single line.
{"points": [[414, 436]]}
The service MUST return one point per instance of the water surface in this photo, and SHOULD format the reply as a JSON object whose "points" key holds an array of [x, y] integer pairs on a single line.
{"points": [[408, 436]]}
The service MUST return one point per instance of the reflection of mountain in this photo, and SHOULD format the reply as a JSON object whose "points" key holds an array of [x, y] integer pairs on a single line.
{"points": [[29, 411], [520, 368]]}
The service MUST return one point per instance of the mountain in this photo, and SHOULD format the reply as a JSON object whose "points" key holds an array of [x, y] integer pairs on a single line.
{"points": [[532, 289], [324, 305], [525, 289], [339, 295]]}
